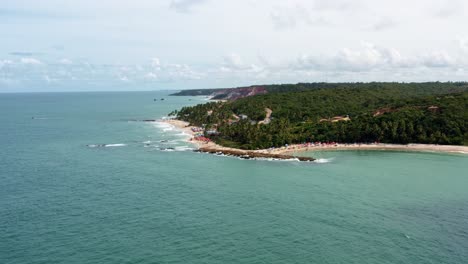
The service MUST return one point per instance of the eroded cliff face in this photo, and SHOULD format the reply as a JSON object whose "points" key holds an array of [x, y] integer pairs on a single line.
{"points": [[236, 93], [225, 94]]}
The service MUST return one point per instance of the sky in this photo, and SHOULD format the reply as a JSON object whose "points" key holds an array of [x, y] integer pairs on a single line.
{"points": [[89, 45]]}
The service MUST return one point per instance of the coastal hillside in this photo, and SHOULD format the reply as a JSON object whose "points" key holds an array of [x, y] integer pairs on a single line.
{"points": [[196, 92], [241, 92], [432, 113], [225, 94]]}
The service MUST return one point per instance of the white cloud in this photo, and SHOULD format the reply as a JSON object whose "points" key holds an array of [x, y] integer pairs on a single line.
{"points": [[384, 24], [438, 59], [168, 72], [177, 72], [7, 83], [233, 64], [282, 20], [463, 44], [369, 62], [48, 79], [151, 76], [448, 8], [287, 17], [366, 58], [185, 6], [336, 5], [5, 62], [156, 63], [358, 59], [374, 58], [233, 61], [124, 78], [66, 61], [30, 61]]}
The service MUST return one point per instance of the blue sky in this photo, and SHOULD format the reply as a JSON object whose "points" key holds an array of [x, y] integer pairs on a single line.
{"points": [[59, 45]]}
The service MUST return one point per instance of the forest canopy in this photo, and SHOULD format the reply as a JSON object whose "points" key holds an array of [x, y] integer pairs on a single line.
{"points": [[433, 113]]}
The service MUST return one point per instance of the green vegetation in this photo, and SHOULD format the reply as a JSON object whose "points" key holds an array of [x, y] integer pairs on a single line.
{"points": [[434, 113]]}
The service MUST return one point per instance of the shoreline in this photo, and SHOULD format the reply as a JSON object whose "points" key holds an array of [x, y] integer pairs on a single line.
{"points": [[213, 148], [290, 150], [428, 148]]}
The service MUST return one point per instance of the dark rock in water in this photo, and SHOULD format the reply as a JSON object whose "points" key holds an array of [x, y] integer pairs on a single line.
{"points": [[245, 154], [166, 149], [162, 99], [139, 120]]}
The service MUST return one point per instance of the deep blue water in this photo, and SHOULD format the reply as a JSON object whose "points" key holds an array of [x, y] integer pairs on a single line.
{"points": [[64, 202]]}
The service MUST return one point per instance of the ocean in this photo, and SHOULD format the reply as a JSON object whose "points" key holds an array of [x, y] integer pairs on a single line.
{"points": [[83, 180]]}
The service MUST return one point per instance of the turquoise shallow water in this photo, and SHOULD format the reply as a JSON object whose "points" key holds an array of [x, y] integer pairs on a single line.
{"points": [[147, 201]]}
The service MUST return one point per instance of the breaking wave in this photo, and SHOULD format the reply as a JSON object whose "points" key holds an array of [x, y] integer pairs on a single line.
{"points": [[183, 148], [323, 160], [164, 126], [115, 145], [106, 145]]}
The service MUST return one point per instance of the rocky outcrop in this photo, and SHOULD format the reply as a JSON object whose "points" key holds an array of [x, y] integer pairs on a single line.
{"points": [[245, 154]]}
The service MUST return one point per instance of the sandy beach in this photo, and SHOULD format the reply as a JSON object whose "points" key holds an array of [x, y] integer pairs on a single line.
{"points": [[295, 148], [379, 146]]}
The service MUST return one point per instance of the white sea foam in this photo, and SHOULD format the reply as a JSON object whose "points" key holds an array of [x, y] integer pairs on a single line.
{"points": [[323, 160], [182, 134], [162, 125], [168, 149], [115, 145], [275, 159], [170, 142], [105, 145], [183, 148]]}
